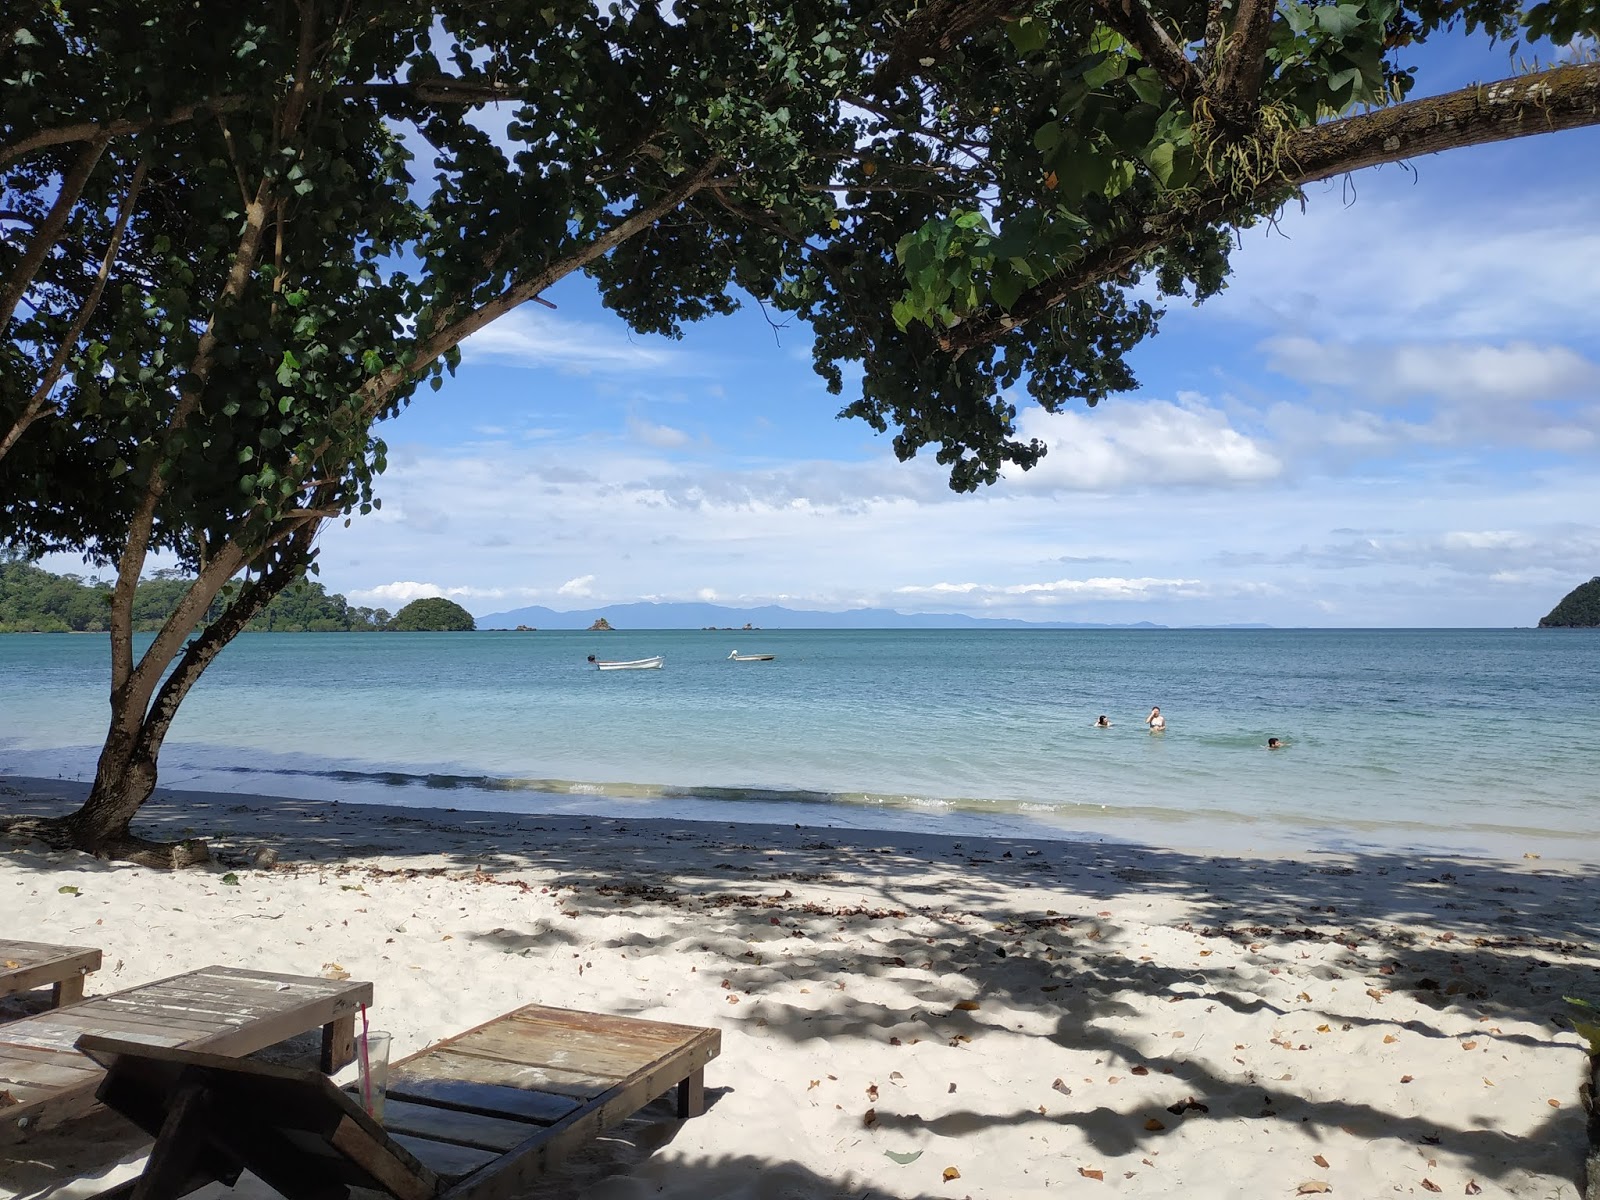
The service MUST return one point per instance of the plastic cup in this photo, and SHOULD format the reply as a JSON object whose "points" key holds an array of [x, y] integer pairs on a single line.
{"points": [[372, 1057]]}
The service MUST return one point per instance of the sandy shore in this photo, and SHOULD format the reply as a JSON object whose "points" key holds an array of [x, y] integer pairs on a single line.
{"points": [[1035, 1015]]}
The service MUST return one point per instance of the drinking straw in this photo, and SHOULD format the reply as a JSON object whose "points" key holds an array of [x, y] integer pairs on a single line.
{"points": [[366, 1065]]}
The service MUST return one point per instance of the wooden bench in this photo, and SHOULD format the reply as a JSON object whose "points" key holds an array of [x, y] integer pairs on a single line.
{"points": [[28, 965], [475, 1117], [45, 1079]]}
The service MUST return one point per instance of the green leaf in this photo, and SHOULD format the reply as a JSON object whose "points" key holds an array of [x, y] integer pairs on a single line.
{"points": [[1027, 34], [67, 889], [1005, 287], [230, 880], [1338, 20], [1048, 136], [904, 1159], [1160, 160], [1146, 85], [1298, 16]]}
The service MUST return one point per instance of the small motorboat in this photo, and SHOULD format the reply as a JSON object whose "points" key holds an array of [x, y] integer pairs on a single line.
{"points": [[632, 664], [735, 656]]}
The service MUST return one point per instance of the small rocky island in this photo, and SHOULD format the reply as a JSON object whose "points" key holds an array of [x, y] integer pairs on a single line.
{"points": [[601, 625], [1579, 608]]}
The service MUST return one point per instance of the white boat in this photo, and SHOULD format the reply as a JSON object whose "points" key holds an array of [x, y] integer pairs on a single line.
{"points": [[735, 656], [632, 664]]}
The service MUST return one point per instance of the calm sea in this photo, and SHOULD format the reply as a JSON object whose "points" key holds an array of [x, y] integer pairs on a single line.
{"points": [[1451, 739]]}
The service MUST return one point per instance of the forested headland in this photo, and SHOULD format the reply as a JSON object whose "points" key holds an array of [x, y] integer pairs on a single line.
{"points": [[33, 600]]}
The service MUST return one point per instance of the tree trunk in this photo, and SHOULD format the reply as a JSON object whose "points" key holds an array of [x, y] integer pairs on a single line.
{"points": [[124, 779], [125, 776]]}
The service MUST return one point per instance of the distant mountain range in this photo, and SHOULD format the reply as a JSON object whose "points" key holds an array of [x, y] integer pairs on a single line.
{"points": [[701, 616]]}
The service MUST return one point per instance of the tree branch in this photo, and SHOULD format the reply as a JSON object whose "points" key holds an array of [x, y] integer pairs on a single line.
{"points": [[282, 570], [1566, 97], [1243, 59], [440, 92], [85, 131], [41, 394], [1134, 21], [933, 31], [376, 391], [49, 231]]}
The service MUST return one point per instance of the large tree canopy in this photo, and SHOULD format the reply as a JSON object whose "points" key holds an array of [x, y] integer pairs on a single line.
{"points": [[238, 237]]}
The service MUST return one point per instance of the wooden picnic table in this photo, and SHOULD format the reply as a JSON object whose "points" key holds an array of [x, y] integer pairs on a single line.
{"points": [[223, 1010], [479, 1116], [28, 965]]}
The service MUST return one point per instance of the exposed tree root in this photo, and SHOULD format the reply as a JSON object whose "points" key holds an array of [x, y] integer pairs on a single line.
{"points": [[62, 833]]}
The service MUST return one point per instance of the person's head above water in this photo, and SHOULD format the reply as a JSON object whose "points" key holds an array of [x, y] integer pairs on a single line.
{"points": [[1101, 720], [1274, 744]]}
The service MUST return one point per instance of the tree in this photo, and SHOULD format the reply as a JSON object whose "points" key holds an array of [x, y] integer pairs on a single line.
{"points": [[433, 613], [1077, 149], [1579, 608], [219, 276]]}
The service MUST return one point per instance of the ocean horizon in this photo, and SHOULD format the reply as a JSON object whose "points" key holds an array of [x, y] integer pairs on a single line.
{"points": [[1475, 741]]}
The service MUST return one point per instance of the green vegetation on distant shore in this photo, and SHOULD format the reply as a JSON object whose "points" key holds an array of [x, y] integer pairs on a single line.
{"points": [[434, 613], [33, 600], [1579, 608]]}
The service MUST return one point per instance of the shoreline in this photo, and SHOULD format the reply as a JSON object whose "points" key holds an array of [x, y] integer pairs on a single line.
{"points": [[1031, 1012], [1201, 831]]}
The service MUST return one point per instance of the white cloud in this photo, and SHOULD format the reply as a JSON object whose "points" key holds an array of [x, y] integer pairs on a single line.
{"points": [[662, 437], [579, 588], [1475, 395], [532, 338], [394, 594], [403, 592], [1398, 261], [1054, 591], [1149, 443], [1458, 371]]}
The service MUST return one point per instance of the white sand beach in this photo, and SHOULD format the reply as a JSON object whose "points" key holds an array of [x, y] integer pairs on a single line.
{"points": [[905, 1015]]}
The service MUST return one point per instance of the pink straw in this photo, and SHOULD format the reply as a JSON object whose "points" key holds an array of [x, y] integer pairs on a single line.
{"points": [[366, 1066]]}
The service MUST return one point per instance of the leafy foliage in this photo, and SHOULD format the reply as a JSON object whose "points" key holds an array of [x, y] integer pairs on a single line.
{"points": [[433, 613], [1579, 608], [33, 600]]}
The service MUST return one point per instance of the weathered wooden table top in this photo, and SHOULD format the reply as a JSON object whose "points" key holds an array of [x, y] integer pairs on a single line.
{"points": [[538, 1081], [45, 1080], [28, 965]]}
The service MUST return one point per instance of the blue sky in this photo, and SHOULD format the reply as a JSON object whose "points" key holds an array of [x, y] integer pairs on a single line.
{"points": [[1390, 418]]}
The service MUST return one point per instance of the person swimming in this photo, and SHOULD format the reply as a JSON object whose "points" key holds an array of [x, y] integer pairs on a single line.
{"points": [[1274, 744], [1101, 722], [1156, 721]]}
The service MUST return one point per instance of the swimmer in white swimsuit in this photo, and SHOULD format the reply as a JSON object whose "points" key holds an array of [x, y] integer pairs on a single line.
{"points": [[1156, 721]]}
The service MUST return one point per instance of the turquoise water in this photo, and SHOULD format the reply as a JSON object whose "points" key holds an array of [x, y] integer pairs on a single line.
{"points": [[1450, 738]]}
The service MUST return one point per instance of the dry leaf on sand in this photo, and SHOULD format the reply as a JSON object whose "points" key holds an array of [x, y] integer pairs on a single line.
{"points": [[1312, 1186], [951, 1173], [1091, 1173], [1320, 1161]]}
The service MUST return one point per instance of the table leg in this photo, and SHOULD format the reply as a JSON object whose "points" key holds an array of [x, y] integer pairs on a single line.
{"points": [[692, 1095], [338, 1043], [68, 991], [173, 1157]]}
